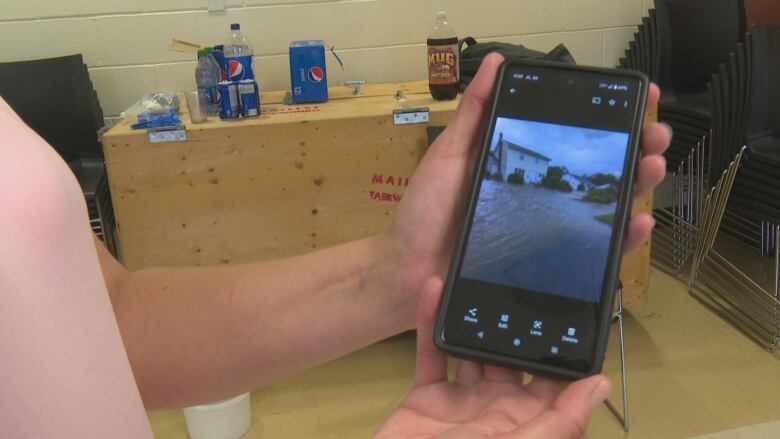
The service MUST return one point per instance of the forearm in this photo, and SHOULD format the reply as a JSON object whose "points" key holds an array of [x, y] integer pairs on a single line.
{"points": [[200, 334]]}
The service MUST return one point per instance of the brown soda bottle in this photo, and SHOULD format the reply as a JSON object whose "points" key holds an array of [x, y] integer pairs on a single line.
{"points": [[443, 60]]}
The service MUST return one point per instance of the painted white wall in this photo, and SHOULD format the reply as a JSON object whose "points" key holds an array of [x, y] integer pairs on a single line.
{"points": [[124, 42], [535, 168]]}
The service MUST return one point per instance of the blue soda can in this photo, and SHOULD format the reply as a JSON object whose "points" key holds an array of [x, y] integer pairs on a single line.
{"points": [[227, 97], [219, 56], [249, 95]]}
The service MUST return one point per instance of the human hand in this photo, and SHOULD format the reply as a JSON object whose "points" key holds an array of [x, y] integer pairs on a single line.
{"points": [[485, 401], [430, 214]]}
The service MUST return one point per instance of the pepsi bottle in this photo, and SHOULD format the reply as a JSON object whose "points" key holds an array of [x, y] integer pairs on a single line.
{"points": [[238, 56], [443, 60]]}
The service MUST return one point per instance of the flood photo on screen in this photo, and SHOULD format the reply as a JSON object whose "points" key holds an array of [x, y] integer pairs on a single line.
{"points": [[544, 215]]}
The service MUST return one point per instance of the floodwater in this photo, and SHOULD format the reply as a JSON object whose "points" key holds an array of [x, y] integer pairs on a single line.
{"points": [[539, 239]]}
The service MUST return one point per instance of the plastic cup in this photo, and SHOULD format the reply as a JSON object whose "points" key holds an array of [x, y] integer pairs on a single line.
{"points": [[228, 419], [198, 107]]}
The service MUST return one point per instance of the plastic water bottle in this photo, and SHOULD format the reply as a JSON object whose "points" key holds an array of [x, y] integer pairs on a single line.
{"points": [[238, 56], [206, 77]]}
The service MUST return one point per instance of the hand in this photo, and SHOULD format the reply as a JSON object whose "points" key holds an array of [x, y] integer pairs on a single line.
{"points": [[430, 213], [486, 401]]}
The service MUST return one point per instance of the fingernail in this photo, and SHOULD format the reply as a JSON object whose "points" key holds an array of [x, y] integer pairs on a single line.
{"points": [[668, 128], [600, 392]]}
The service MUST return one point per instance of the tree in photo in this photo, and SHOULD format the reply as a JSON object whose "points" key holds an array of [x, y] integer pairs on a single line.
{"points": [[515, 178], [605, 195], [554, 179]]}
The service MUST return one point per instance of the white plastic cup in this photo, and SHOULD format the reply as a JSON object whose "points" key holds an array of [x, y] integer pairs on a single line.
{"points": [[197, 105], [228, 419]]}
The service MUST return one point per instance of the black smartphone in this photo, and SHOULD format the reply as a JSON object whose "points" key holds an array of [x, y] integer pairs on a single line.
{"points": [[534, 272]]}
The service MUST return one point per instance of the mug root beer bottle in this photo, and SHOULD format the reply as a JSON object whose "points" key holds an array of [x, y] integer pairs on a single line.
{"points": [[443, 60]]}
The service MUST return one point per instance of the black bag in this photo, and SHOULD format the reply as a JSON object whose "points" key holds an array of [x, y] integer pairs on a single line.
{"points": [[472, 55]]}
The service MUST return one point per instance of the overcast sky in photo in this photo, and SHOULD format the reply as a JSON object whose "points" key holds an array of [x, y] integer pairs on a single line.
{"points": [[584, 151]]}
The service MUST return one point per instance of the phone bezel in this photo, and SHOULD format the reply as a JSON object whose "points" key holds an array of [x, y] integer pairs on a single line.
{"points": [[615, 257]]}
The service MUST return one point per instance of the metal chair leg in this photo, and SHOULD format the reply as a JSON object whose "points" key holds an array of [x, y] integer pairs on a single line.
{"points": [[617, 317]]}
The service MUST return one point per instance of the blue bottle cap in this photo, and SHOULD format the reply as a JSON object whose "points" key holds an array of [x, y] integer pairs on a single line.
{"points": [[235, 26]]}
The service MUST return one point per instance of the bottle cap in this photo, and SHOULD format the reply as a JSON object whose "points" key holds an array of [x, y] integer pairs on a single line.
{"points": [[235, 26], [203, 52], [441, 14]]}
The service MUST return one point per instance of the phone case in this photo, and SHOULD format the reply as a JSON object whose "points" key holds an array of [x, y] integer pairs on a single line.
{"points": [[615, 254]]}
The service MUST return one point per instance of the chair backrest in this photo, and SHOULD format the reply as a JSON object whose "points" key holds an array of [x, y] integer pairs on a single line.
{"points": [[55, 98], [700, 34], [765, 101]]}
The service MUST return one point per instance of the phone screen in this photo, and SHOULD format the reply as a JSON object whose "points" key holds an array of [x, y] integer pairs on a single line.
{"points": [[534, 262]]}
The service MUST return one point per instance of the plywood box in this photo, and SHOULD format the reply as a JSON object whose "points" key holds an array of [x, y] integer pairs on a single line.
{"points": [[295, 179]]}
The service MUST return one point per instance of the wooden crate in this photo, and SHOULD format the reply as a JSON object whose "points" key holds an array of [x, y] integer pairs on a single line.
{"points": [[295, 179]]}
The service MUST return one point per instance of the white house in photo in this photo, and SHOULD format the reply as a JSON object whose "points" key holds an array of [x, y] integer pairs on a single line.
{"points": [[506, 158]]}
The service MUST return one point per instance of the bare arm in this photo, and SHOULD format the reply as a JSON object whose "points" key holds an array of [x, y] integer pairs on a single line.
{"points": [[63, 372], [203, 333]]}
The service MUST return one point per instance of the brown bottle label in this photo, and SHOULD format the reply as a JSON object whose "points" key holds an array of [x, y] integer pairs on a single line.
{"points": [[443, 64]]}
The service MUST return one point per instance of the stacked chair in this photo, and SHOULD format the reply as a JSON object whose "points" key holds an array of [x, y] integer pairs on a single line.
{"points": [[56, 98], [720, 228], [679, 46], [735, 271]]}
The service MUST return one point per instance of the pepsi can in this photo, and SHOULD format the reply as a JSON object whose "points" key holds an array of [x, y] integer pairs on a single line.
{"points": [[249, 95], [219, 57], [227, 97], [307, 71]]}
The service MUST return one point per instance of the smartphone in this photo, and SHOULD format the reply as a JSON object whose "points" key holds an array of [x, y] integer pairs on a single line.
{"points": [[535, 269]]}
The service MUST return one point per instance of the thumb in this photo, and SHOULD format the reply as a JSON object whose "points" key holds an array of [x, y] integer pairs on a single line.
{"points": [[569, 415]]}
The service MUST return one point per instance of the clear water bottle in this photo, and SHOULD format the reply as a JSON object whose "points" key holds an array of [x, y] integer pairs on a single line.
{"points": [[238, 56], [206, 77]]}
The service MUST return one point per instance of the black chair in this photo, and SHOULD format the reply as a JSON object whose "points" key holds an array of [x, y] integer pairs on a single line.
{"points": [[691, 39], [702, 33], [763, 131], [746, 96], [758, 184], [679, 45], [55, 97]]}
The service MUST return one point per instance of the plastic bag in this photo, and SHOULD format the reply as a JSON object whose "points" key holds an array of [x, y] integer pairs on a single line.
{"points": [[153, 103], [154, 120]]}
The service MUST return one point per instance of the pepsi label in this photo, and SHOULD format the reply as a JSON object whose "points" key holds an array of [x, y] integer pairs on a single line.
{"points": [[239, 68], [248, 94], [309, 79], [316, 74], [227, 97], [219, 57]]}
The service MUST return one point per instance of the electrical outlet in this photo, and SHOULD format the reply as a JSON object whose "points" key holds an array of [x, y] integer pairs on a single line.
{"points": [[216, 5]]}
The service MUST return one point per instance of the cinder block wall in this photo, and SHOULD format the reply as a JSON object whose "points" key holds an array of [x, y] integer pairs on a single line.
{"points": [[124, 42]]}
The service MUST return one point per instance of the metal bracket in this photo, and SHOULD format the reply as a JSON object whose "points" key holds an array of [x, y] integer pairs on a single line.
{"points": [[288, 98], [167, 134], [407, 116], [355, 86]]}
